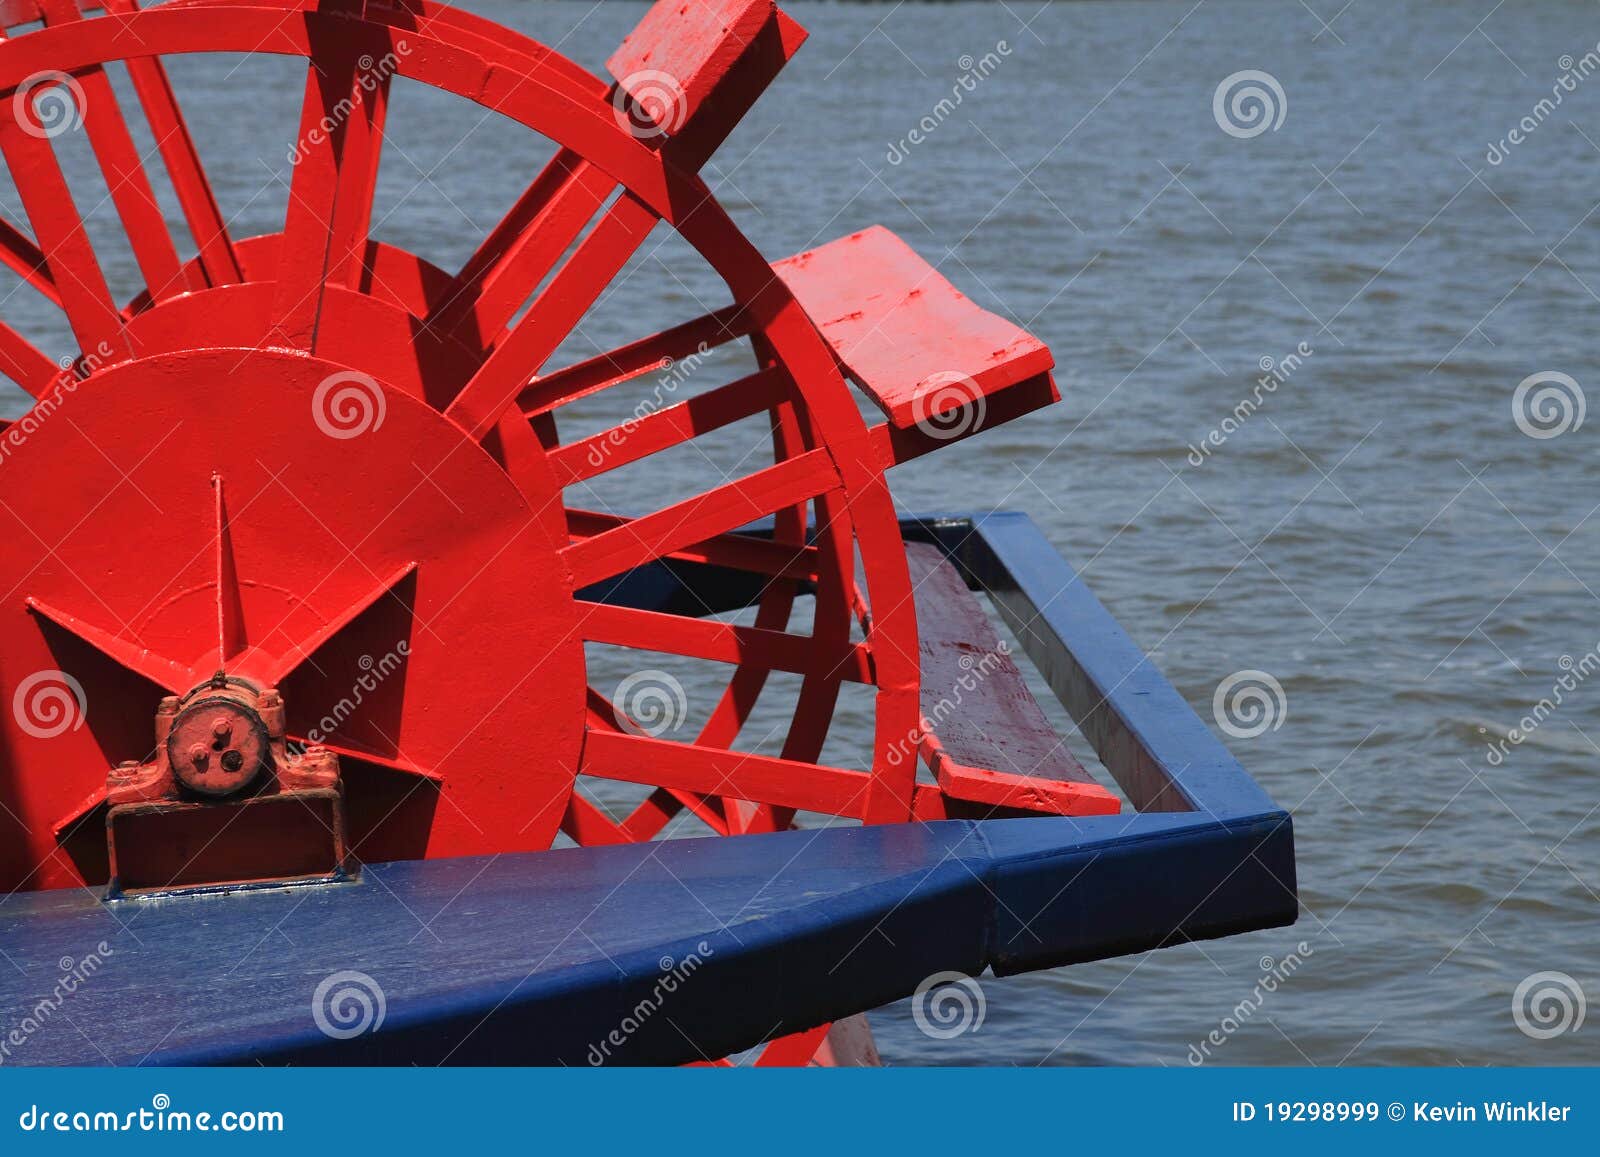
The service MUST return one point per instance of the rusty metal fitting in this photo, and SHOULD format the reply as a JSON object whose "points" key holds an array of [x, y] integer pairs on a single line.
{"points": [[218, 743]]}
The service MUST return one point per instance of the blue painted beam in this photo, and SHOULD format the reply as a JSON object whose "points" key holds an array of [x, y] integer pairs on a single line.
{"points": [[538, 958]]}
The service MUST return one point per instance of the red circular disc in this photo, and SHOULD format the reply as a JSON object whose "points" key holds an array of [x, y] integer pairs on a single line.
{"points": [[381, 568]]}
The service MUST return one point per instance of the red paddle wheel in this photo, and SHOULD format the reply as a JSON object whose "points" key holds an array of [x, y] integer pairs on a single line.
{"points": [[299, 523]]}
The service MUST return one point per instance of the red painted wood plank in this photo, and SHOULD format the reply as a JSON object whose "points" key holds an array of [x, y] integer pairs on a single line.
{"points": [[24, 363], [524, 247], [361, 154], [682, 49], [917, 345], [892, 445], [306, 251], [695, 67], [1006, 791], [983, 717]]}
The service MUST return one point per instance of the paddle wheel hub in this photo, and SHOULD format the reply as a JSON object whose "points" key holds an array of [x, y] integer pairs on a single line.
{"points": [[224, 802], [219, 736]]}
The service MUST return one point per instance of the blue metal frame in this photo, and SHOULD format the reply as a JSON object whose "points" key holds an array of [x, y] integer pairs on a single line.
{"points": [[556, 957], [1212, 853]]}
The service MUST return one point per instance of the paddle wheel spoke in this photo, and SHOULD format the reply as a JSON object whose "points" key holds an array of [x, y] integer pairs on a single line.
{"points": [[131, 192], [20, 255], [722, 642], [219, 265], [75, 271], [524, 247], [719, 772], [737, 551], [595, 455], [332, 183], [614, 367], [555, 312], [640, 540], [25, 363], [360, 153]]}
